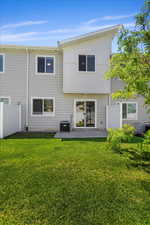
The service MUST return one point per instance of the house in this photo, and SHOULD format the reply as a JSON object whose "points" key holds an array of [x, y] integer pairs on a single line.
{"points": [[66, 83]]}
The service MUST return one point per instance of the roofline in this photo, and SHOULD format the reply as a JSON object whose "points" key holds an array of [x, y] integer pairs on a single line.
{"points": [[25, 47], [90, 34], [63, 42]]}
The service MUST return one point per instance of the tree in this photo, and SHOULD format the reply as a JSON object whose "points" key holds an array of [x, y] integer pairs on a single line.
{"points": [[132, 62]]}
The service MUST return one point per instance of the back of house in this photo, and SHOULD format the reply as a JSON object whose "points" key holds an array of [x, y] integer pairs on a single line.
{"points": [[66, 83]]}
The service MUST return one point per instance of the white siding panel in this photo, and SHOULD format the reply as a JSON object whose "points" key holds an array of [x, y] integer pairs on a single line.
{"points": [[13, 81]]}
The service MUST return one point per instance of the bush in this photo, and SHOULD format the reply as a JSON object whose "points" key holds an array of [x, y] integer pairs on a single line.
{"points": [[128, 131], [116, 136], [147, 137]]}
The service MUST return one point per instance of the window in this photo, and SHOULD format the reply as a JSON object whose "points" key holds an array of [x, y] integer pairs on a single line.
{"points": [[1, 63], [87, 63], [129, 111], [45, 64], [43, 106], [6, 100]]}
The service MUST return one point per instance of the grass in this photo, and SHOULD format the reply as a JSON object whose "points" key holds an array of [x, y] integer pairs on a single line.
{"points": [[46, 181]]}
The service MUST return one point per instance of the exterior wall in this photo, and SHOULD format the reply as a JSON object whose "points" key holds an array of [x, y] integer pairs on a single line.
{"points": [[10, 119], [13, 83], [13, 80], [113, 116], [87, 82], [142, 115]]}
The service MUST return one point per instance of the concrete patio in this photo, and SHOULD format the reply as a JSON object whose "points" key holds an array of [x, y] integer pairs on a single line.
{"points": [[82, 134]]}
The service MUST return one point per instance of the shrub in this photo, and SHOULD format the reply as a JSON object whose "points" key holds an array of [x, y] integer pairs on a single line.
{"points": [[116, 136], [144, 145], [147, 137], [128, 131]]}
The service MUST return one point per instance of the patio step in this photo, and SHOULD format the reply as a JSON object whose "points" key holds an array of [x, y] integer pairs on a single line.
{"points": [[82, 134]]}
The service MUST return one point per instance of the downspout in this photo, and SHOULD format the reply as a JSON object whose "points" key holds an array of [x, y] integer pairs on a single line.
{"points": [[27, 91], [109, 97]]}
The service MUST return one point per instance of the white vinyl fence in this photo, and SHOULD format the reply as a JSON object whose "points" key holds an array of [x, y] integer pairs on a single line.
{"points": [[113, 116], [10, 119]]}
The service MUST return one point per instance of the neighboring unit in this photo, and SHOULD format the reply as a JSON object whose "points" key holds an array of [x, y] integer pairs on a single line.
{"points": [[66, 83]]}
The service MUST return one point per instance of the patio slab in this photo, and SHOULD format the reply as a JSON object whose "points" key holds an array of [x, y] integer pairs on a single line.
{"points": [[82, 134]]}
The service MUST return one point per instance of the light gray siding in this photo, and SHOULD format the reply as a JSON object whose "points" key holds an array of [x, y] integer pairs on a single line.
{"points": [[76, 81], [13, 83], [65, 111], [13, 80], [51, 86], [142, 115]]}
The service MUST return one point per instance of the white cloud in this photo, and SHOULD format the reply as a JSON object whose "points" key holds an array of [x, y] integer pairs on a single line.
{"points": [[108, 18], [117, 17], [18, 37], [128, 25], [23, 24], [56, 34]]}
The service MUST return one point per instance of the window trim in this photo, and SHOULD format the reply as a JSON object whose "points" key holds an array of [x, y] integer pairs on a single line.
{"points": [[86, 64], [3, 63], [45, 114], [9, 98], [136, 115], [36, 65]]}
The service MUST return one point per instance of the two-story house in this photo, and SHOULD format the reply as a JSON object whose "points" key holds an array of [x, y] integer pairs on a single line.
{"points": [[64, 83]]}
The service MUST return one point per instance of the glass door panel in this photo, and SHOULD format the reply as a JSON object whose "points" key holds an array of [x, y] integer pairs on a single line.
{"points": [[90, 114], [80, 114]]}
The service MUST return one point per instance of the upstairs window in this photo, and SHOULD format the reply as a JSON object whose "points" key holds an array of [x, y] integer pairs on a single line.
{"points": [[87, 63], [43, 106], [1, 63], [129, 111], [45, 64], [5, 100]]}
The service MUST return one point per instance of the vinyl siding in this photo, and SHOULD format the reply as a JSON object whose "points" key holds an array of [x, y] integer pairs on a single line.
{"points": [[65, 111], [13, 84], [143, 116], [87, 82], [51, 86], [13, 80]]}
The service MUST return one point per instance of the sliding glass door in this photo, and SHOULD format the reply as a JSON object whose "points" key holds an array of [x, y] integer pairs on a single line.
{"points": [[85, 113]]}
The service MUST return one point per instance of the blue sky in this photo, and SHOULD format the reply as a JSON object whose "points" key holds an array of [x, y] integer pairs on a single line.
{"points": [[37, 22]]}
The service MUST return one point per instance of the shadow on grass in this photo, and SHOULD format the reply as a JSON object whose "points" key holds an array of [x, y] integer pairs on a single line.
{"points": [[23, 135], [85, 139], [139, 158]]}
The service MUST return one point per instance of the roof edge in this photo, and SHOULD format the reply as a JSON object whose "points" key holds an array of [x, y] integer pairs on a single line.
{"points": [[90, 34], [25, 47]]}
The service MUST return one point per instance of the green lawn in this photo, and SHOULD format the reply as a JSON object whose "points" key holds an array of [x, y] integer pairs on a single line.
{"points": [[45, 181]]}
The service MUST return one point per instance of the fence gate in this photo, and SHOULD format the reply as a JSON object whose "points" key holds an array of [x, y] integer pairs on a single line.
{"points": [[113, 116], [10, 119]]}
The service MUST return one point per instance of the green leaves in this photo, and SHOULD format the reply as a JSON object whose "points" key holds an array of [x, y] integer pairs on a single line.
{"points": [[132, 63]]}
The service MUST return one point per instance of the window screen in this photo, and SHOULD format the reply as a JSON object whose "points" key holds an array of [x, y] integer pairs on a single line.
{"points": [[48, 105], [5, 100], [49, 64], [1, 63], [82, 63], [41, 64], [124, 110], [37, 106], [91, 63]]}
